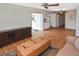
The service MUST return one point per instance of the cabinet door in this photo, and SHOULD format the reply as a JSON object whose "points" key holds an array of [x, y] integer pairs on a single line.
{"points": [[18, 34], [26, 32], [11, 37], [3, 39], [23, 33]]}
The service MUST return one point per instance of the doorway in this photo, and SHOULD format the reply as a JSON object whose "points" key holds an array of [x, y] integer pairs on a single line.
{"points": [[37, 22], [61, 20], [47, 22]]}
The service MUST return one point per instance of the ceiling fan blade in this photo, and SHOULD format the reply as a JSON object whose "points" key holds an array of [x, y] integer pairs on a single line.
{"points": [[53, 4], [45, 5]]}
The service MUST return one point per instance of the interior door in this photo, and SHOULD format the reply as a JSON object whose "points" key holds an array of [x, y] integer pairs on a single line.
{"points": [[47, 22], [37, 22]]}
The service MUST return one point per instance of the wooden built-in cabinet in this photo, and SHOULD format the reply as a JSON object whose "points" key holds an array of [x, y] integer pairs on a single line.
{"points": [[7, 37]]}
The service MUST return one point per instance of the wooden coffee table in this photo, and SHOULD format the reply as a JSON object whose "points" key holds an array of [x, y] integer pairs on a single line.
{"points": [[32, 48]]}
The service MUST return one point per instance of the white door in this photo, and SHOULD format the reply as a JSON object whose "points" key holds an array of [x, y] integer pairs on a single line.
{"points": [[37, 22], [53, 20], [47, 22]]}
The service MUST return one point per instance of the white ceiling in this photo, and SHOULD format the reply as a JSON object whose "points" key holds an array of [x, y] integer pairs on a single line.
{"points": [[63, 6]]}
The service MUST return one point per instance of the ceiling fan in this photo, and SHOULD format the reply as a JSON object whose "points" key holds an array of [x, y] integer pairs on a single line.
{"points": [[46, 5]]}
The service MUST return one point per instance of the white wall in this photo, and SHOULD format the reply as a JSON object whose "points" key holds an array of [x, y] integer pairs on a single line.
{"points": [[70, 19], [53, 19], [12, 16], [77, 22], [15, 16]]}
